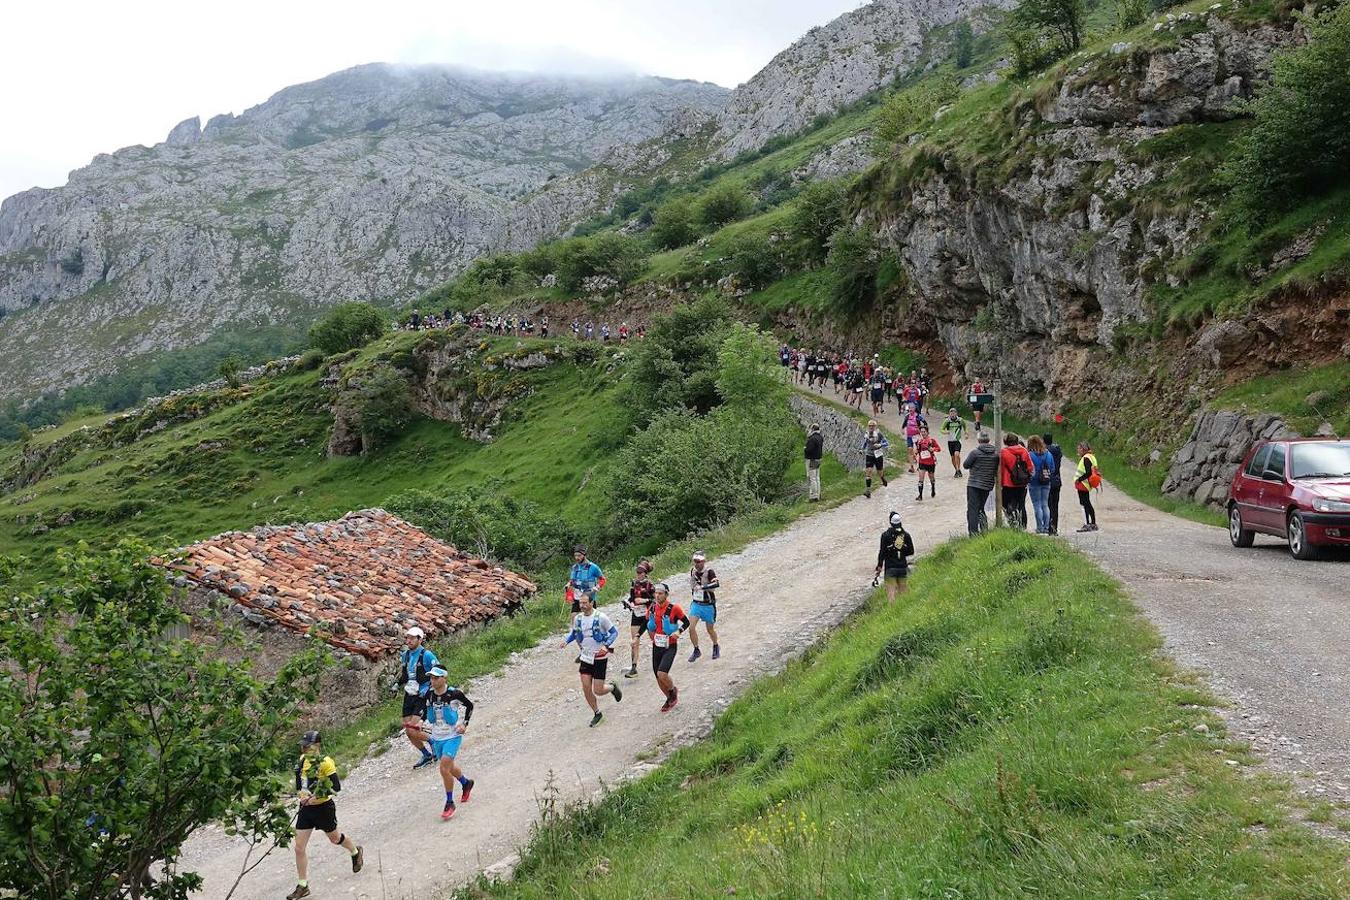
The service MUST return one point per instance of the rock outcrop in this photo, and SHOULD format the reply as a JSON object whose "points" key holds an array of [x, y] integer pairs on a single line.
{"points": [[1204, 466]]}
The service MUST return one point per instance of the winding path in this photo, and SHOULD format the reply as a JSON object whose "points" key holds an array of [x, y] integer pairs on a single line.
{"points": [[1270, 633]]}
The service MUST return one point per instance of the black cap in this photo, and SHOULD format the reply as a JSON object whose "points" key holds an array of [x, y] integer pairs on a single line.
{"points": [[310, 737]]}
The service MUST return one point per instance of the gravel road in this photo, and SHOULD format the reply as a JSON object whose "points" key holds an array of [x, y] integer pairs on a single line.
{"points": [[779, 595]]}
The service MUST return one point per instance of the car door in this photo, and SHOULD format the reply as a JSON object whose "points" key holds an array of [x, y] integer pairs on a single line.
{"points": [[1274, 496], [1247, 487]]}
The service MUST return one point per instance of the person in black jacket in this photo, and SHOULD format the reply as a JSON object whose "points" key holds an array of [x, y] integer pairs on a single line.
{"points": [[1056, 482], [815, 451], [893, 557]]}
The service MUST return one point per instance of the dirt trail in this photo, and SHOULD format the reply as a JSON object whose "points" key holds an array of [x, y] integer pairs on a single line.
{"points": [[778, 596]]}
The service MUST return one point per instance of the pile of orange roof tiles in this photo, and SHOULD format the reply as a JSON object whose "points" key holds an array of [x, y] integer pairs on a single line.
{"points": [[362, 580]]}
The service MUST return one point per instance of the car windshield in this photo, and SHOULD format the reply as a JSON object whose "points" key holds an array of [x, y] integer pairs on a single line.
{"points": [[1320, 460]]}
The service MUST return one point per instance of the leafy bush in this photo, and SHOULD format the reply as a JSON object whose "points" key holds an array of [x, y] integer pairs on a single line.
{"points": [[230, 367], [854, 263], [912, 110], [818, 213], [347, 327], [310, 360], [489, 522], [754, 261], [722, 205], [747, 368], [963, 51], [383, 407], [120, 741], [619, 256], [1299, 144], [1041, 31], [676, 366], [686, 473], [1131, 13], [674, 224]]}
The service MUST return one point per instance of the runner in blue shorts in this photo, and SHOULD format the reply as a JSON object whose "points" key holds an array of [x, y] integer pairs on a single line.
{"points": [[442, 724], [703, 587]]}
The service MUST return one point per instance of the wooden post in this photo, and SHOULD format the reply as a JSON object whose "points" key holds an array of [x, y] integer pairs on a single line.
{"points": [[998, 448]]}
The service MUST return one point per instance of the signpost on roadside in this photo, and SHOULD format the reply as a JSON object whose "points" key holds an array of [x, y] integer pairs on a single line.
{"points": [[983, 402]]}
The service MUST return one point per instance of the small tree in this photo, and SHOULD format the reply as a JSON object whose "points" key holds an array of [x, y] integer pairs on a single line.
{"points": [[676, 366], [619, 256], [912, 110], [754, 261], [118, 741], [747, 368], [347, 327], [384, 408], [1047, 27], [964, 44], [1130, 13], [674, 224], [854, 261], [818, 212], [230, 368], [722, 205]]}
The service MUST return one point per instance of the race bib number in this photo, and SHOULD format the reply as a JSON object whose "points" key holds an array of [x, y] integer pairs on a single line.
{"points": [[587, 656], [661, 640]]}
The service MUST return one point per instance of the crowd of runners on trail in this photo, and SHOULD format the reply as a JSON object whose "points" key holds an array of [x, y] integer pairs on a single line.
{"points": [[435, 716], [521, 326]]}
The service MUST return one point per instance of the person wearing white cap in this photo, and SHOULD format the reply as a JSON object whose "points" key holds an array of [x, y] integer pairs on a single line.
{"points": [[703, 585], [893, 557], [595, 635], [414, 677], [442, 723]]}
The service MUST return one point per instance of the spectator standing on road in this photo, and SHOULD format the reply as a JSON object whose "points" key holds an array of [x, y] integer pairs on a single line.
{"points": [[1015, 469], [1086, 479], [893, 557], [1043, 473], [815, 452], [1052, 499], [982, 463]]}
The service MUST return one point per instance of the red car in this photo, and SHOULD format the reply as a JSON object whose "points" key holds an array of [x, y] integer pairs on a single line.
{"points": [[1297, 489]]}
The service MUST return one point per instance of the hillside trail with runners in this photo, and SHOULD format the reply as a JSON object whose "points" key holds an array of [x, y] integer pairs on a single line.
{"points": [[1230, 614]]}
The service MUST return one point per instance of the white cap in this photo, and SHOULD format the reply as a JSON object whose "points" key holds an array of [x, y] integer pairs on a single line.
{"points": [[415, 631], [700, 556], [895, 519]]}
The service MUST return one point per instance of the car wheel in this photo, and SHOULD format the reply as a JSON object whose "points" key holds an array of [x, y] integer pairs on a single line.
{"points": [[1297, 534], [1241, 537]]}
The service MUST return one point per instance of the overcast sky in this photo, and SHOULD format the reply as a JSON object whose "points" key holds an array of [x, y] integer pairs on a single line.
{"points": [[80, 78]]}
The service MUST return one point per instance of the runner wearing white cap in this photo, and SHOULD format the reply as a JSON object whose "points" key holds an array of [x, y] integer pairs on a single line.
{"points": [[703, 585], [414, 677]]}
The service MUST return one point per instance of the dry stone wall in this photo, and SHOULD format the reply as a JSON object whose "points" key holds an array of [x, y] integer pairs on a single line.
{"points": [[843, 436], [1202, 469]]}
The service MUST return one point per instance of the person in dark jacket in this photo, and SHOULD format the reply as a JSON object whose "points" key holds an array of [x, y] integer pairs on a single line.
{"points": [[893, 557], [815, 451], [1056, 481], [982, 463]]}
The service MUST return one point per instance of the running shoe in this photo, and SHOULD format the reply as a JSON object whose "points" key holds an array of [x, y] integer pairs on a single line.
{"points": [[920, 497], [468, 789], [631, 673], [932, 490], [696, 654], [618, 694], [1085, 529], [426, 760], [868, 493], [885, 483], [358, 859], [670, 701], [301, 890], [717, 652], [595, 719], [448, 811], [674, 697]]}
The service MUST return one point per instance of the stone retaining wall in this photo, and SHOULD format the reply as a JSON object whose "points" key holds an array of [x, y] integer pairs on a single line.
{"points": [[1202, 469], [843, 436]]}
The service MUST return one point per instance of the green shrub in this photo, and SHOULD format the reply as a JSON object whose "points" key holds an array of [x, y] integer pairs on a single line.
{"points": [[1299, 144], [347, 327], [1131, 13], [488, 521], [754, 261], [1041, 31], [230, 368], [676, 366], [674, 224], [618, 256], [854, 262], [383, 408], [912, 110], [818, 212], [963, 51], [309, 360], [747, 368], [722, 205]]}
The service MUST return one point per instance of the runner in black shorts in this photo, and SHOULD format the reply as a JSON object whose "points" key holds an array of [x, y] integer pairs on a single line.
{"points": [[316, 781], [640, 594], [595, 635], [954, 427], [665, 623]]}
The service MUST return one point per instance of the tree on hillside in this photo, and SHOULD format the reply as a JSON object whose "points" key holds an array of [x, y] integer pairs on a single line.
{"points": [[964, 44], [618, 256], [676, 366], [347, 327], [912, 109], [230, 368], [117, 740], [722, 205], [1041, 31], [674, 224], [748, 374], [1299, 144], [854, 262], [817, 213]]}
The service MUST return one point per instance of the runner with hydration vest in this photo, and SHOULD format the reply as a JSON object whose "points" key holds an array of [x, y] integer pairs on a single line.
{"points": [[954, 427], [414, 677], [665, 623], [926, 451], [595, 636], [640, 594], [874, 446], [584, 578], [703, 585], [316, 781], [914, 423], [442, 723]]}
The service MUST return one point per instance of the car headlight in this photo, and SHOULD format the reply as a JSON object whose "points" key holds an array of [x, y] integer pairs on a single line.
{"points": [[1322, 504]]}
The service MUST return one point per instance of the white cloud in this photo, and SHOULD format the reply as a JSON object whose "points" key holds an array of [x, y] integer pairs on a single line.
{"points": [[87, 77]]}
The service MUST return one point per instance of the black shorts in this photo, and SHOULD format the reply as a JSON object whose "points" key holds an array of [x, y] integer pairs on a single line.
{"points": [[639, 622], [897, 573], [878, 396], [875, 462], [953, 446], [320, 816], [413, 704], [663, 658], [595, 669], [928, 467]]}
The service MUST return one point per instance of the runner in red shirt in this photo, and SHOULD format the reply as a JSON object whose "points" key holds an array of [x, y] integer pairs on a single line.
{"points": [[926, 451], [665, 623]]}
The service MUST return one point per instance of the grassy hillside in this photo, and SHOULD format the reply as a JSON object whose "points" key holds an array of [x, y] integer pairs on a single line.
{"points": [[1009, 730]]}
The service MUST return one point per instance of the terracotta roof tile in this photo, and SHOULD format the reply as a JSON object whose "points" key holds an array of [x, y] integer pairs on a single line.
{"points": [[371, 571]]}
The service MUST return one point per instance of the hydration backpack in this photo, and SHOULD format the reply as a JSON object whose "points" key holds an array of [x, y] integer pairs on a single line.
{"points": [[1021, 472]]}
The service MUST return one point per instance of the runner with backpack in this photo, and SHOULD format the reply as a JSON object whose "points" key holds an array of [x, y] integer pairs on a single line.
{"points": [[442, 724], [1015, 463], [893, 557], [595, 636], [414, 677], [874, 446], [640, 594], [914, 423], [703, 585], [585, 577], [1089, 476], [926, 451], [316, 781], [665, 623]]}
